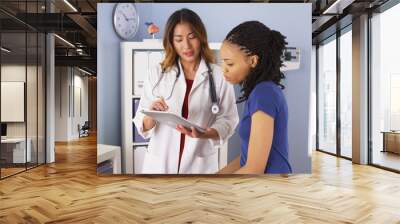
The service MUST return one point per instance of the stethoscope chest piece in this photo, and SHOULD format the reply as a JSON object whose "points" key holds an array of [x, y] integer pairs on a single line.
{"points": [[215, 108]]}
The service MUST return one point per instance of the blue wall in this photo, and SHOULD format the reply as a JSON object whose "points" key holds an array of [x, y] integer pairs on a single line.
{"points": [[293, 20]]}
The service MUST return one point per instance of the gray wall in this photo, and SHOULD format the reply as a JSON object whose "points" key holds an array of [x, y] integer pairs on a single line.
{"points": [[292, 20]]}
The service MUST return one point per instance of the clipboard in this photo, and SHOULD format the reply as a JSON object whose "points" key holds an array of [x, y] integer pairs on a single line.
{"points": [[171, 119]]}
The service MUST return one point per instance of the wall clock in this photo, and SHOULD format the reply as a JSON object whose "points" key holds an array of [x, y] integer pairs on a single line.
{"points": [[126, 20]]}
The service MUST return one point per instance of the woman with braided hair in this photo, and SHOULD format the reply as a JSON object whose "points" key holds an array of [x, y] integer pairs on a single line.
{"points": [[252, 57]]}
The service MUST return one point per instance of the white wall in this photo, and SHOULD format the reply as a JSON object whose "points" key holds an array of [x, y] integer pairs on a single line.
{"points": [[70, 83], [16, 73], [61, 103], [13, 73], [79, 117]]}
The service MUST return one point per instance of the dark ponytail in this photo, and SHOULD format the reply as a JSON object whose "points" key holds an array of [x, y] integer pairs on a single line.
{"points": [[254, 38]]}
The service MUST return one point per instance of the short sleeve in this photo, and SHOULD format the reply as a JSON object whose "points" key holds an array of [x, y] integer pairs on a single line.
{"points": [[264, 98]]}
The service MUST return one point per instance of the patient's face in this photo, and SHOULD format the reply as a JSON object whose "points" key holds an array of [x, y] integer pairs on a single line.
{"points": [[236, 65]]}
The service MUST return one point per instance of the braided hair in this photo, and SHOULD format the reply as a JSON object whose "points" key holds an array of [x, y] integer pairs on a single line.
{"points": [[254, 38]]}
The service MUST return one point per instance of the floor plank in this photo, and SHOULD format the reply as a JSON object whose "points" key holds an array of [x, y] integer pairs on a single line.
{"points": [[69, 191]]}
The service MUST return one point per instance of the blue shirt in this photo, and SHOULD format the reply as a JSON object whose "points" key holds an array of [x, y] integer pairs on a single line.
{"points": [[268, 98]]}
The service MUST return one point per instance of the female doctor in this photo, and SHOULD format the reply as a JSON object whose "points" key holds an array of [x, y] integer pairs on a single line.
{"points": [[186, 83]]}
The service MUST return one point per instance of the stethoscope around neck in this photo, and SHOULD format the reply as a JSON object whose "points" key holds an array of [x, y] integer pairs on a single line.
{"points": [[213, 92]]}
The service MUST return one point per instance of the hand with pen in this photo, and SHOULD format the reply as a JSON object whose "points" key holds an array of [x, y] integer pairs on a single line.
{"points": [[159, 105]]}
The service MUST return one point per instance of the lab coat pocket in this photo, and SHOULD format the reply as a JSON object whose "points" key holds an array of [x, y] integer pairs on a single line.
{"points": [[205, 148], [205, 164]]}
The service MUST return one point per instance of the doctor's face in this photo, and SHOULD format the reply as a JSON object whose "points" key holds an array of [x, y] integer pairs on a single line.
{"points": [[236, 65], [186, 43]]}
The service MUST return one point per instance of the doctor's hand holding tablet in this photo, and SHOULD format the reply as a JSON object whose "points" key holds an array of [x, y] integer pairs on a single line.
{"points": [[158, 112]]}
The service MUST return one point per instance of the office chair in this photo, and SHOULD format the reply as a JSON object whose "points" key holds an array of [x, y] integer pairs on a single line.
{"points": [[84, 130]]}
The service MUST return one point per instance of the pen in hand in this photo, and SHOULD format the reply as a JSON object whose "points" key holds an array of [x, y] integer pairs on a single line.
{"points": [[159, 104]]}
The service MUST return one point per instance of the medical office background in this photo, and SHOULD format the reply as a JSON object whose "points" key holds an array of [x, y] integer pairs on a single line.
{"points": [[292, 20]]}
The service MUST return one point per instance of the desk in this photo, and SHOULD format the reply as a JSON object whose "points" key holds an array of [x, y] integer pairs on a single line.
{"points": [[391, 141], [17, 150], [106, 152]]}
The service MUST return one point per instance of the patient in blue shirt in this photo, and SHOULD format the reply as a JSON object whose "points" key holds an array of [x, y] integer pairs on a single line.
{"points": [[252, 57], [268, 98]]}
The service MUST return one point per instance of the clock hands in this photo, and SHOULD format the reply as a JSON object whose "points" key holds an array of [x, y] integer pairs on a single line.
{"points": [[126, 18]]}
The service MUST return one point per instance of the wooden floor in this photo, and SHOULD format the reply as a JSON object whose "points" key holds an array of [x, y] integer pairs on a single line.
{"points": [[70, 191], [387, 159], [10, 171]]}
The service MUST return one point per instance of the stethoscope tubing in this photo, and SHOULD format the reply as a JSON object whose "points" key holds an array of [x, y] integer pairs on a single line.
{"points": [[213, 92]]}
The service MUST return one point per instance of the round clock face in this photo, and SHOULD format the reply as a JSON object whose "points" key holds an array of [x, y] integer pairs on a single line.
{"points": [[126, 20]]}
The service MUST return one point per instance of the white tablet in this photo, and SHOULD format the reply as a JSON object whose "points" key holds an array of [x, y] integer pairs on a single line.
{"points": [[171, 119]]}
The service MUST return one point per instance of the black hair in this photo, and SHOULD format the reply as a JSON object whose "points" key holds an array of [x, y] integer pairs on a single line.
{"points": [[254, 38]]}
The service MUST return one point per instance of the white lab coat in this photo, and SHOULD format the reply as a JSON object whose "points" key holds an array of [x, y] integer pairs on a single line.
{"points": [[200, 156]]}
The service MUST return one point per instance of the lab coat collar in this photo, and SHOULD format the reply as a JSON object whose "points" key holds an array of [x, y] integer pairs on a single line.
{"points": [[202, 69], [201, 75]]}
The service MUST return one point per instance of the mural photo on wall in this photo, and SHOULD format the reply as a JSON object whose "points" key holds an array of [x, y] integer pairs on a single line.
{"points": [[205, 96]]}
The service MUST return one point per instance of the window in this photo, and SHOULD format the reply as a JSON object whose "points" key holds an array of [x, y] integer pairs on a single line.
{"points": [[327, 96], [385, 89], [346, 93]]}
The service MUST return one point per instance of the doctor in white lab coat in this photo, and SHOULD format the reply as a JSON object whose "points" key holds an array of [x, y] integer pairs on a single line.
{"points": [[180, 150]]}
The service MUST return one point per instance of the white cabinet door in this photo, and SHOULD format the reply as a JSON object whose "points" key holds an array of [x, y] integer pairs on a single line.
{"points": [[143, 61]]}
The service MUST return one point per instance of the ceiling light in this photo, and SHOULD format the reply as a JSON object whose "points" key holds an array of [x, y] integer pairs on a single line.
{"points": [[86, 72], [337, 7], [65, 41], [5, 50], [70, 5]]}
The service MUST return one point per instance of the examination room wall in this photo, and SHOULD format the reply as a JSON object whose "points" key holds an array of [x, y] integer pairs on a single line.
{"points": [[292, 20]]}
